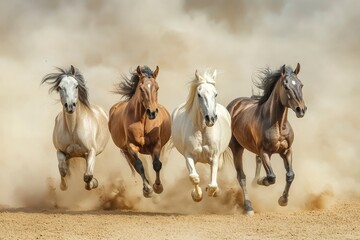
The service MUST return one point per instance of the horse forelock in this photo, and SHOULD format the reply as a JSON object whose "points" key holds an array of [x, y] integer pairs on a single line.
{"points": [[55, 79], [205, 76]]}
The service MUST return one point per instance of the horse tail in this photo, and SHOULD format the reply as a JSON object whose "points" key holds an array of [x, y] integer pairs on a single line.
{"points": [[225, 158]]}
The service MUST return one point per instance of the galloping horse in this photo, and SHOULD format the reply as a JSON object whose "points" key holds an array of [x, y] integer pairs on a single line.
{"points": [[260, 125], [80, 128], [139, 124], [201, 131]]}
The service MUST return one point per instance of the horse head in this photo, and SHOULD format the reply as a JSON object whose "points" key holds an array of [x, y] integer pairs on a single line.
{"points": [[68, 91], [291, 94], [206, 97], [149, 92]]}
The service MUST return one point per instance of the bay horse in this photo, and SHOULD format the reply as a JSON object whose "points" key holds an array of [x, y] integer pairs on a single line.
{"points": [[260, 125], [201, 131], [139, 124], [80, 128]]}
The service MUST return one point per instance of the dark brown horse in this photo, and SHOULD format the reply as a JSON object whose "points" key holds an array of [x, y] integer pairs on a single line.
{"points": [[260, 125], [141, 125]]}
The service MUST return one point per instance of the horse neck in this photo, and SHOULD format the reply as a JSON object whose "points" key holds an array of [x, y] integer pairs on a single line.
{"points": [[274, 109], [196, 115], [135, 105], [72, 119]]}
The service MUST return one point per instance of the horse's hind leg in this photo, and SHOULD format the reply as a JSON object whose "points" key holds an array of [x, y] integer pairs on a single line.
{"points": [[238, 151], [257, 171], [63, 168], [270, 175], [90, 181], [287, 157], [196, 194]]}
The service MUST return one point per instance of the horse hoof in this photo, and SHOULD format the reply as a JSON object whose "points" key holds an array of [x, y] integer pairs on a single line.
{"points": [[263, 181], [148, 193], [196, 196], [212, 191], [88, 178], [92, 184], [283, 201], [158, 188], [248, 210], [63, 185]]}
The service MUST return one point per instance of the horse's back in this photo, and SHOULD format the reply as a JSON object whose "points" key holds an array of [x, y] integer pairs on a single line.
{"points": [[102, 135], [165, 131], [239, 105], [224, 119], [116, 128]]}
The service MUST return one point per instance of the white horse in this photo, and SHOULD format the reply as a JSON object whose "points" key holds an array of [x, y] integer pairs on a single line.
{"points": [[201, 130], [81, 129]]}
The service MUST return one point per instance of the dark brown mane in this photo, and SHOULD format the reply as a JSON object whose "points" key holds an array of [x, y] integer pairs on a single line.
{"points": [[266, 82], [128, 86]]}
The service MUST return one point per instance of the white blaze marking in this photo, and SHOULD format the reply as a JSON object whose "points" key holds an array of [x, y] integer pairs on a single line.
{"points": [[293, 82], [149, 85]]}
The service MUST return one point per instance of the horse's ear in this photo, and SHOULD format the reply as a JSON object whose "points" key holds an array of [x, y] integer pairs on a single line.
{"points": [[282, 71], [156, 72], [73, 70], [214, 74], [197, 75], [297, 69], [138, 70]]}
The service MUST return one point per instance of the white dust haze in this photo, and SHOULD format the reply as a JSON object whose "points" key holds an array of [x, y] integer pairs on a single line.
{"points": [[105, 39]]}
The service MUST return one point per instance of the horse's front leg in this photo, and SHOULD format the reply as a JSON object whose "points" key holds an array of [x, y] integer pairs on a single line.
{"points": [[287, 157], [270, 175], [63, 169], [196, 194], [90, 181], [158, 187], [212, 188], [132, 157]]}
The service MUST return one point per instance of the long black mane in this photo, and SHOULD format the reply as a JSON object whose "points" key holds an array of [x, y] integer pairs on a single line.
{"points": [[128, 86], [54, 79], [266, 82]]}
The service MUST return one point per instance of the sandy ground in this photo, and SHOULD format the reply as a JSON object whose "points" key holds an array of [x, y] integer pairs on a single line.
{"points": [[341, 221]]}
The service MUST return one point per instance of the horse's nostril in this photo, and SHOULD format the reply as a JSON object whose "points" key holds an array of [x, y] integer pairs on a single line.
{"points": [[74, 104], [207, 118], [66, 105], [156, 110], [298, 109], [148, 112], [305, 108], [216, 117]]}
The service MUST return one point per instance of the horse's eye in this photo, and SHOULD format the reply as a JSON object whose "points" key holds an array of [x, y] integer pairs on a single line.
{"points": [[199, 95], [77, 86], [215, 94], [58, 89]]}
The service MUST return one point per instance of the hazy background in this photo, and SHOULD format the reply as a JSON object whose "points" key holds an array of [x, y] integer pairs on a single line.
{"points": [[105, 39]]}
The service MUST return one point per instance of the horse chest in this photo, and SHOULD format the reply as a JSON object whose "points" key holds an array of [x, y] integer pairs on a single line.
{"points": [[275, 140], [202, 148]]}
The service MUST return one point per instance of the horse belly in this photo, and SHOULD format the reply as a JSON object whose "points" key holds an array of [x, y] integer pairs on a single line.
{"points": [[76, 150]]}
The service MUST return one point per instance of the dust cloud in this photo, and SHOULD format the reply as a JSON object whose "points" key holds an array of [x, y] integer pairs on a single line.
{"points": [[105, 39]]}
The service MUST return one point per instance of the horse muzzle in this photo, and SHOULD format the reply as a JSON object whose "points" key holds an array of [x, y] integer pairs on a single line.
{"points": [[70, 108], [152, 114], [210, 120], [300, 112]]}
